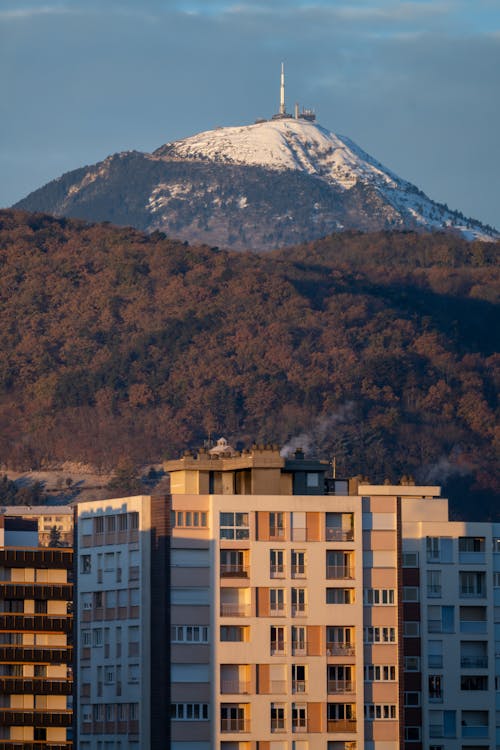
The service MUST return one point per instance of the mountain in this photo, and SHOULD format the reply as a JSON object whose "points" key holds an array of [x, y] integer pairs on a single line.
{"points": [[262, 186], [380, 349]]}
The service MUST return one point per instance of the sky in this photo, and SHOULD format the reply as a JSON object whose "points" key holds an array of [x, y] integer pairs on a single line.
{"points": [[416, 84]]}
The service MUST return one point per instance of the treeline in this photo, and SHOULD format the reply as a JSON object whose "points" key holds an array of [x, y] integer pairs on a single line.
{"points": [[378, 349]]}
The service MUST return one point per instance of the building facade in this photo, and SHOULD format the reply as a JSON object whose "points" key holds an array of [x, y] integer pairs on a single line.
{"points": [[306, 613], [36, 679], [122, 651]]}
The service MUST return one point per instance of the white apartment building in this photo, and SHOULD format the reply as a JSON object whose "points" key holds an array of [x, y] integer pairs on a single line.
{"points": [[122, 624]]}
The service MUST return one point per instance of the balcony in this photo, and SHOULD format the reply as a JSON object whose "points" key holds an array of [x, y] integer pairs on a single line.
{"points": [[36, 557], [474, 662], [340, 687], [234, 725], [479, 731], [339, 535], [35, 622], [234, 570], [339, 572], [34, 686], [341, 725], [62, 592], [235, 687], [42, 718], [34, 745], [335, 648], [36, 654], [277, 571], [230, 609]]}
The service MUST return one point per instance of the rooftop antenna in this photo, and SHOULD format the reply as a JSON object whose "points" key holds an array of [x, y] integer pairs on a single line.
{"points": [[282, 91]]}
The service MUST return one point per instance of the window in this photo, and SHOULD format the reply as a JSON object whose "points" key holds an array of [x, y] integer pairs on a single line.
{"points": [[299, 642], [109, 561], [472, 584], [380, 635], [474, 682], [299, 717], [312, 479], [189, 634], [85, 564], [341, 712], [97, 637], [277, 525], [234, 633], [233, 562], [234, 526], [471, 544], [410, 559], [340, 678], [380, 672], [277, 717], [411, 628], [440, 619], [109, 675], [277, 601], [339, 564], [378, 596], [340, 640], [412, 734], [110, 524], [410, 594], [189, 518], [298, 602], [298, 563], [133, 520], [298, 678], [412, 699], [435, 654], [442, 724], [496, 544], [277, 563], [86, 638], [189, 711], [434, 583], [377, 711], [439, 549], [340, 596], [496, 580], [277, 640], [435, 688], [99, 525], [412, 664], [122, 522]]}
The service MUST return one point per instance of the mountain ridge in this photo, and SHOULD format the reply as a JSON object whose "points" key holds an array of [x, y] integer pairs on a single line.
{"points": [[260, 186]]}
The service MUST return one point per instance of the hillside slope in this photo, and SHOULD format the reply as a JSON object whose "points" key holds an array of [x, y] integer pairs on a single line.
{"points": [[379, 349], [259, 186]]}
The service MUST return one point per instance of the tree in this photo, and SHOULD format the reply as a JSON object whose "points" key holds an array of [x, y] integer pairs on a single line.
{"points": [[55, 537]]}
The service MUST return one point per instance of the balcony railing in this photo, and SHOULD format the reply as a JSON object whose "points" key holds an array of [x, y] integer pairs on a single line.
{"points": [[278, 726], [474, 662], [298, 571], [9, 621], [34, 686], [339, 572], [476, 731], [434, 591], [472, 557], [278, 648], [339, 535], [35, 745], [277, 571], [235, 687], [299, 648], [299, 610], [336, 648], [299, 726], [341, 686], [299, 686], [234, 725], [478, 593], [54, 655], [234, 610], [36, 591], [41, 718], [341, 725], [473, 626], [228, 570], [276, 532]]}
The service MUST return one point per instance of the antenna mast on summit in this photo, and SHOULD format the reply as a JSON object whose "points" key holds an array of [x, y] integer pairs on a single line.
{"points": [[282, 91]]}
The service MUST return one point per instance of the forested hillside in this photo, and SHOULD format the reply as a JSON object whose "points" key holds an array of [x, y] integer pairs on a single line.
{"points": [[379, 349]]}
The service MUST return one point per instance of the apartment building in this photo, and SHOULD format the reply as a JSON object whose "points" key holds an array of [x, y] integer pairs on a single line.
{"points": [[286, 605], [122, 650], [451, 629], [306, 613], [35, 640]]}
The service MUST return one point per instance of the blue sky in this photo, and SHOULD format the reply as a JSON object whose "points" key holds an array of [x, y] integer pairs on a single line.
{"points": [[416, 84]]}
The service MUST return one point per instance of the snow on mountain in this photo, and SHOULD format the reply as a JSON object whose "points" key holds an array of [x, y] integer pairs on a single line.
{"points": [[295, 144]]}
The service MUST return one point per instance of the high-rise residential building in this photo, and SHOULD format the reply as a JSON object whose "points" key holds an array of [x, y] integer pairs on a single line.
{"points": [[35, 640], [306, 612], [122, 649]]}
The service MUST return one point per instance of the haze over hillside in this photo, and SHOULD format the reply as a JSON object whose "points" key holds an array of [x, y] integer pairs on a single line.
{"points": [[258, 186], [379, 349]]}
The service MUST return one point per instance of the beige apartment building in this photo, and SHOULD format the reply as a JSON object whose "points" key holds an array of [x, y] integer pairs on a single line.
{"points": [[305, 613]]}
